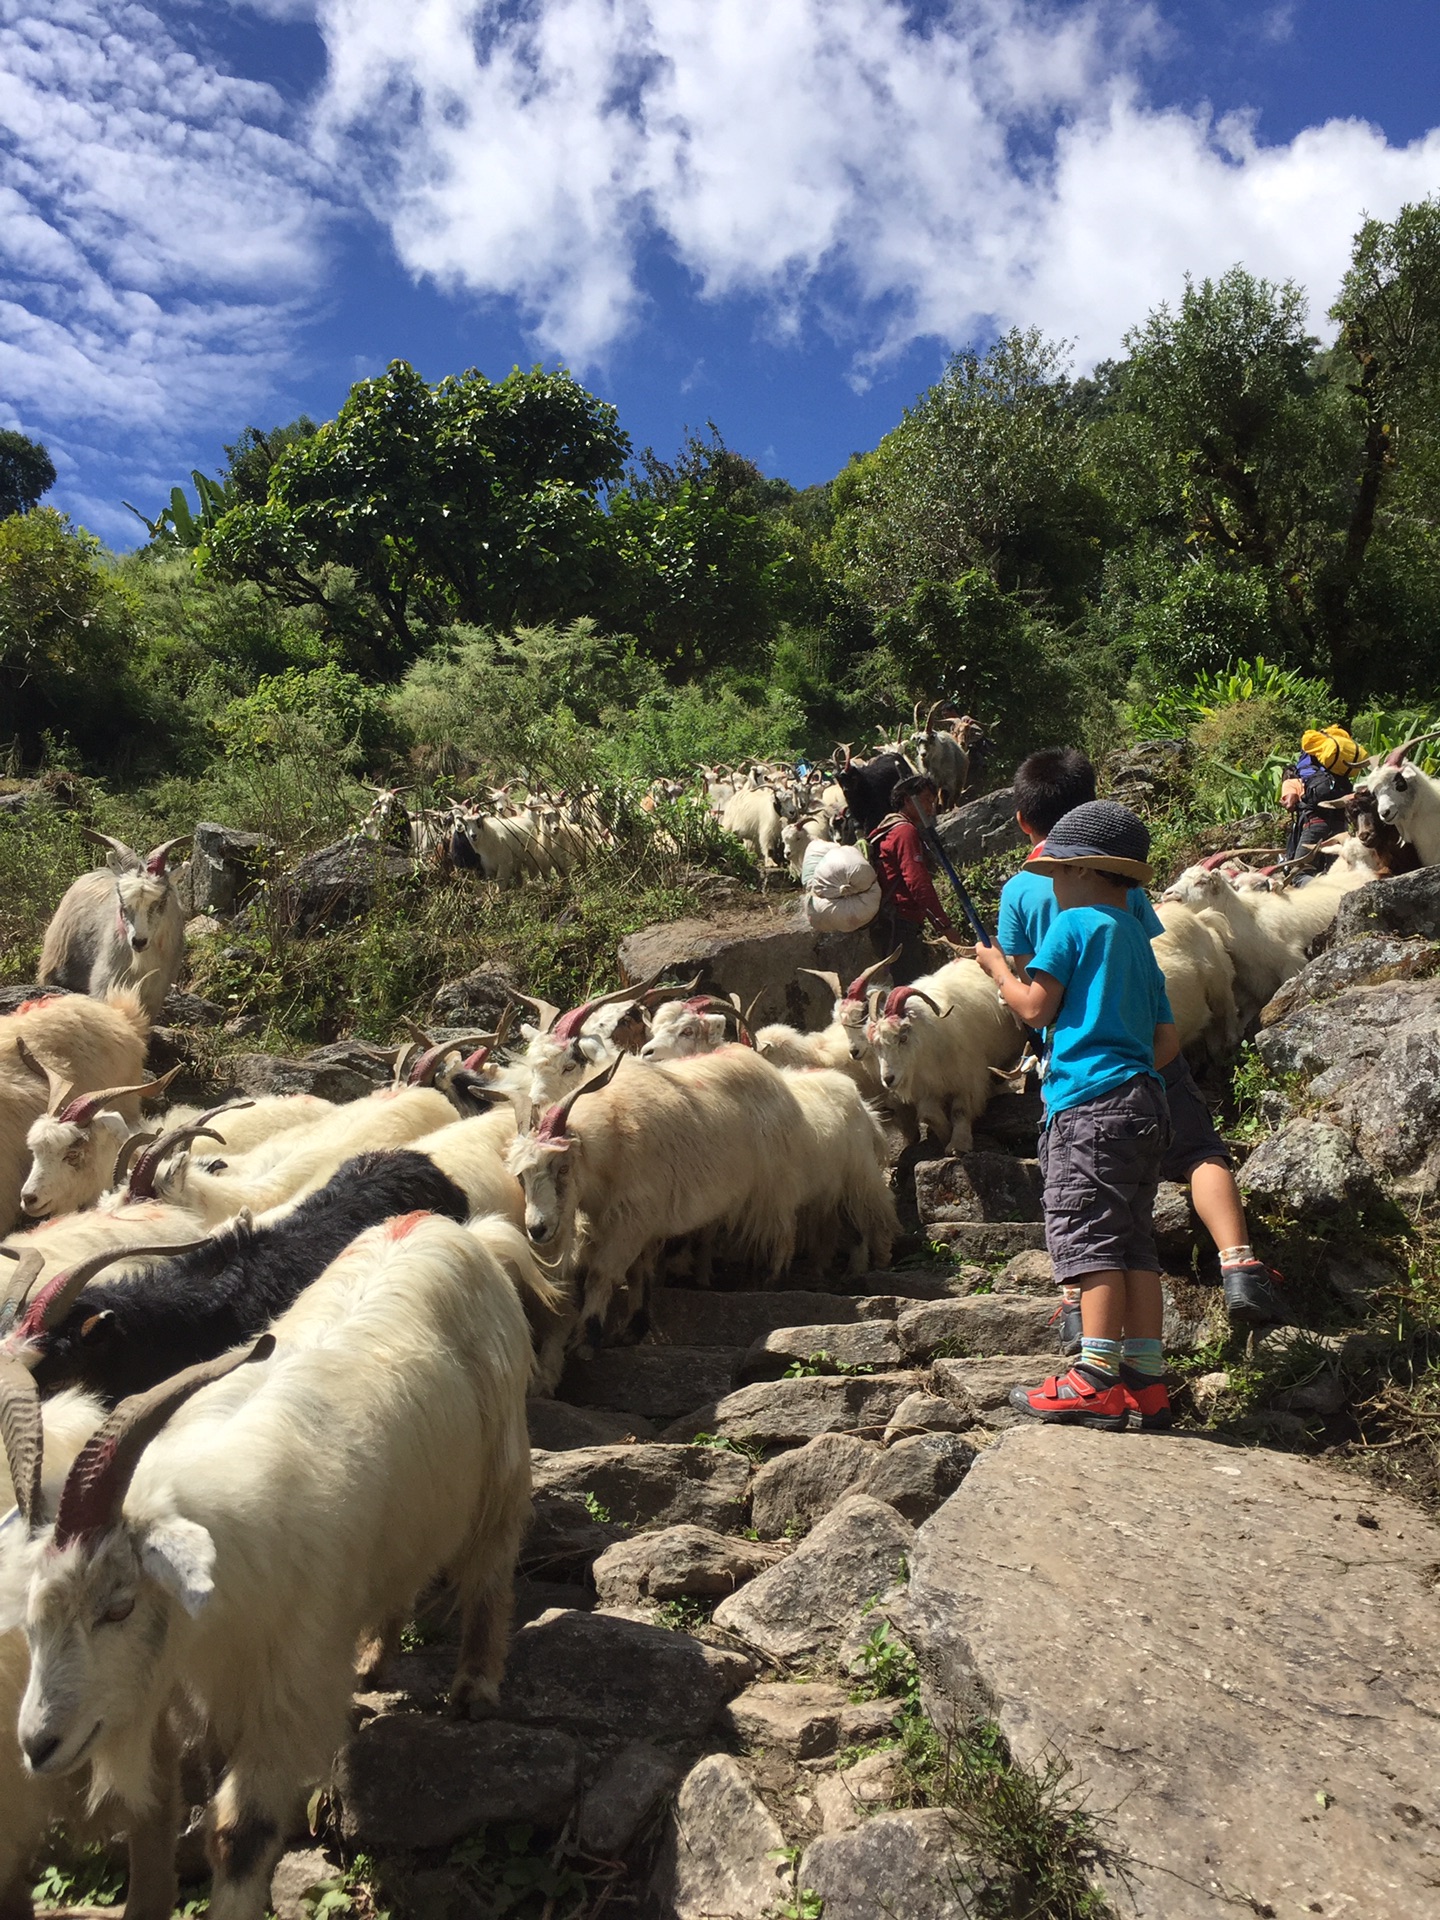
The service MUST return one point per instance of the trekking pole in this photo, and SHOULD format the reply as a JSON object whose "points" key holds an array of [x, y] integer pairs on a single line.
{"points": [[967, 906]]}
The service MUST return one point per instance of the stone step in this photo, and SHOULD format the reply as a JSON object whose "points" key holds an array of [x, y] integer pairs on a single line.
{"points": [[905, 1283], [978, 1186], [659, 1383], [863, 1343], [554, 1426], [787, 1413], [642, 1485], [983, 1240], [982, 1386], [982, 1324]]}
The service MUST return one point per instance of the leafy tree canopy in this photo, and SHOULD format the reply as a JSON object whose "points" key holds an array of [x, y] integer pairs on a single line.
{"points": [[26, 473]]}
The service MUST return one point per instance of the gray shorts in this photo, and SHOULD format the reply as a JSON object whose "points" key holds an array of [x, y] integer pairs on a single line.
{"points": [[1193, 1139], [1101, 1166]]}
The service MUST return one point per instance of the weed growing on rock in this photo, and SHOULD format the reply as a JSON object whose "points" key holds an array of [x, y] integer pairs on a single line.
{"points": [[79, 1876], [512, 1880], [824, 1363], [686, 1614]]}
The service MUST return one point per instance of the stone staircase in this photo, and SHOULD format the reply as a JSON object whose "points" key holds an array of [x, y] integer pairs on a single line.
{"points": [[767, 1455]]}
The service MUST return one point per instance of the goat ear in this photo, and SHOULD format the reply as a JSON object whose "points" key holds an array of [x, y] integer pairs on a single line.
{"points": [[96, 1327], [181, 1556]]}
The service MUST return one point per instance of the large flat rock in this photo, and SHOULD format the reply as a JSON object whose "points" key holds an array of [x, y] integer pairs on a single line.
{"points": [[641, 1484], [1236, 1662], [686, 1317], [750, 952], [658, 1383], [786, 1413]]}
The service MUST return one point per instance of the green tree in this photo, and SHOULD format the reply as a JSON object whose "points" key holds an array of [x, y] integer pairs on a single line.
{"points": [[990, 470], [471, 501], [66, 631], [26, 473]]}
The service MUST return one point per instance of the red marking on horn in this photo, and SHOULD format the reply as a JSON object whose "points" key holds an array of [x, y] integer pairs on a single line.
{"points": [[552, 1122], [33, 1327], [423, 1071], [1214, 860], [475, 1061], [568, 1026], [896, 1002]]}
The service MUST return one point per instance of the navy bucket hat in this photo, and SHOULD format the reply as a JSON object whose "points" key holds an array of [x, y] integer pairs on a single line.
{"points": [[1100, 834]]}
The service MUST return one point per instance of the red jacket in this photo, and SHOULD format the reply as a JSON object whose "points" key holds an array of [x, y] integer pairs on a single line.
{"points": [[897, 854]]}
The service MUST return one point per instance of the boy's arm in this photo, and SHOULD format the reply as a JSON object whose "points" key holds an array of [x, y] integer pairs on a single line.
{"points": [[1036, 1001]]}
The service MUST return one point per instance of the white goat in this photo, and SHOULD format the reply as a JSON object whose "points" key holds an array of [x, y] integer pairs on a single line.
{"points": [[798, 836], [1409, 801], [71, 1237], [839, 1166], [284, 1513], [937, 1041], [64, 1041], [472, 1152], [754, 816], [844, 1044], [392, 1119], [941, 756], [120, 926], [683, 1028], [1193, 953], [662, 1152], [507, 850], [74, 1147]]}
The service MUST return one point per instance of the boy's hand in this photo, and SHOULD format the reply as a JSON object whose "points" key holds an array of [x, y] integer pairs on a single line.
{"points": [[991, 961]]}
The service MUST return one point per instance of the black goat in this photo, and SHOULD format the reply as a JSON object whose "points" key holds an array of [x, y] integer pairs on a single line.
{"points": [[126, 1337], [867, 786]]}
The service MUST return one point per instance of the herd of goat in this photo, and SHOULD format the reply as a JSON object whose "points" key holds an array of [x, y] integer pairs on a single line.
{"points": [[264, 1368]]}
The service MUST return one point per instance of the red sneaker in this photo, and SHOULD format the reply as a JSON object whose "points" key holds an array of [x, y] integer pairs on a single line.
{"points": [[1150, 1400], [1073, 1399]]}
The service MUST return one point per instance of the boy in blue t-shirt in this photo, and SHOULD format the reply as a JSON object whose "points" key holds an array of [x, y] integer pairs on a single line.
{"points": [[1047, 786], [1094, 984]]}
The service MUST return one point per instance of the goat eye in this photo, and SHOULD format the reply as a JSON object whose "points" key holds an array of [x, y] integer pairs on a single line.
{"points": [[118, 1610]]}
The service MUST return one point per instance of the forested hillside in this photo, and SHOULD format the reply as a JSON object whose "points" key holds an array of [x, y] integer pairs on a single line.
{"points": [[457, 584]]}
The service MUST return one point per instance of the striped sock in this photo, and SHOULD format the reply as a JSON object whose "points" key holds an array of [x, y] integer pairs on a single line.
{"points": [[1100, 1357], [1145, 1356]]}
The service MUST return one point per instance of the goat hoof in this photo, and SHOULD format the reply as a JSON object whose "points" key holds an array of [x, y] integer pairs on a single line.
{"points": [[473, 1699]]}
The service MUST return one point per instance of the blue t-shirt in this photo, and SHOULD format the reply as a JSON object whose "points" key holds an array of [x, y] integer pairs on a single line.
{"points": [[1027, 906], [1104, 1031]]}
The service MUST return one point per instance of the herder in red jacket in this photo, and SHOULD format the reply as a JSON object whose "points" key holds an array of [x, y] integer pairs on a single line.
{"points": [[909, 901]]}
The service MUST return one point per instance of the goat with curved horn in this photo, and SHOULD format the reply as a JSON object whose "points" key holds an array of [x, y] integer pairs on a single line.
{"points": [[48, 1308], [857, 987], [900, 998], [58, 1088], [1397, 756], [96, 1485], [552, 1124], [546, 1012], [142, 1174], [80, 1111], [129, 1147], [570, 1025]]}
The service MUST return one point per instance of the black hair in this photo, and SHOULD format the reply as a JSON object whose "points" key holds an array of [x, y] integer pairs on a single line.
{"points": [[908, 788], [1049, 783]]}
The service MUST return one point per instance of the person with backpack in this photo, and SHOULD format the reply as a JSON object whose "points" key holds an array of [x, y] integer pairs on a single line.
{"points": [[909, 902], [1322, 773]]}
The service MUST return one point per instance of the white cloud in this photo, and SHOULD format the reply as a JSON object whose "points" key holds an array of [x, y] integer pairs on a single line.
{"points": [[159, 229], [999, 162]]}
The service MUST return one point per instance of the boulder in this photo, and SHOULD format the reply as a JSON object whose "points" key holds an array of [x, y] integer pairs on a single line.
{"points": [[658, 1382], [644, 1484], [224, 868], [409, 1780], [1174, 1225], [978, 1186], [676, 1562], [628, 1788], [1408, 905], [802, 1604], [1258, 1719], [1332, 1041], [723, 1853], [750, 953], [981, 1324], [980, 828], [982, 1387], [564, 1538], [916, 1475], [1369, 960], [786, 1413], [557, 1428], [895, 1863], [477, 1000], [808, 1719], [349, 1070], [699, 1317], [926, 1413], [299, 1873], [798, 1487], [596, 1675], [1013, 1121], [847, 1799], [337, 884], [189, 1010], [1393, 1109], [984, 1240], [1030, 1272], [861, 1343], [1147, 775], [1309, 1167]]}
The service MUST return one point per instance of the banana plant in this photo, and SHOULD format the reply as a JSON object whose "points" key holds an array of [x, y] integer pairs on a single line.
{"points": [[178, 524]]}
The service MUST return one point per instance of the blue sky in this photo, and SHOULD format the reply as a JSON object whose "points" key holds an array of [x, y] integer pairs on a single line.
{"points": [[781, 214]]}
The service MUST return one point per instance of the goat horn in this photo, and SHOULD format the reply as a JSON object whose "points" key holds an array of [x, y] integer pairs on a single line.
{"points": [[856, 988], [826, 979], [155, 859], [657, 996], [415, 1032], [569, 1025], [422, 1074], [22, 1435], [115, 846], [96, 1485], [129, 1147], [930, 716], [58, 1089], [81, 1111], [731, 1012], [900, 997], [142, 1177], [750, 1010], [547, 1011], [31, 1266], [60, 1292], [552, 1121], [1398, 755]]}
